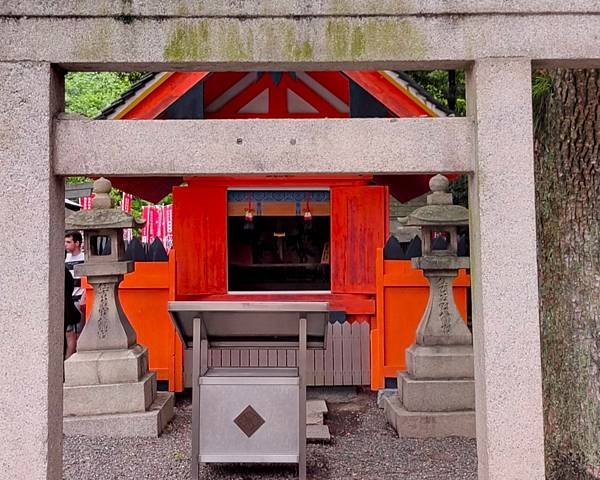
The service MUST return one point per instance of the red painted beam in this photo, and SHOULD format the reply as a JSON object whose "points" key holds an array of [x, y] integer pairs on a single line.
{"points": [[163, 96], [393, 98]]}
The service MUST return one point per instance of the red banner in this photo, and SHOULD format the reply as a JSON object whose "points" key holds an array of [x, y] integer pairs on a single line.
{"points": [[159, 224], [86, 202], [126, 202]]}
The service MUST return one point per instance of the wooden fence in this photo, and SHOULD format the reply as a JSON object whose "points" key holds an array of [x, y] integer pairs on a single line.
{"points": [[345, 361]]}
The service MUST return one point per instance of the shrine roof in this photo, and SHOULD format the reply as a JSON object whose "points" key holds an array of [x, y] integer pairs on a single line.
{"points": [[403, 81], [234, 95]]}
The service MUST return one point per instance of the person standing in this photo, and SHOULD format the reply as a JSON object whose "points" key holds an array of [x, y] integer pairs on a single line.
{"points": [[74, 256]]}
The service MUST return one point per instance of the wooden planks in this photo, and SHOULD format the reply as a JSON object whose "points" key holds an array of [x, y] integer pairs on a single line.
{"points": [[345, 361], [200, 236], [358, 223]]}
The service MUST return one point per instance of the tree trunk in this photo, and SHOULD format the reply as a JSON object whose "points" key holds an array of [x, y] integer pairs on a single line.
{"points": [[567, 144]]}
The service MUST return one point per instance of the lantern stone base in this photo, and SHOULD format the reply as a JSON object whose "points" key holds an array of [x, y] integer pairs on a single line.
{"points": [[98, 367], [110, 398], [436, 395], [113, 388], [442, 362], [149, 423], [428, 424]]}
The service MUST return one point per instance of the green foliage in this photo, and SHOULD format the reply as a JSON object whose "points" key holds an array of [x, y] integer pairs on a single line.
{"points": [[77, 180], [459, 188], [541, 86], [541, 89], [89, 92], [436, 83]]}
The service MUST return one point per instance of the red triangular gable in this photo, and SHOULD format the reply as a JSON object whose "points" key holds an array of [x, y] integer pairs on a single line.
{"points": [[240, 95]]}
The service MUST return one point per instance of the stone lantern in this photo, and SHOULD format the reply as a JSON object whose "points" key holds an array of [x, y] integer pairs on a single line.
{"points": [[436, 394], [105, 265], [108, 389], [441, 323]]}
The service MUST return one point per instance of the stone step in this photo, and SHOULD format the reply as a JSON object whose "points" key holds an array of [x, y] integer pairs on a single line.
{"points": [[436, 395], [385, 392], [110, 398], [315, 410], [428, 424], [140, 424], [317, 433], [440, 362]]}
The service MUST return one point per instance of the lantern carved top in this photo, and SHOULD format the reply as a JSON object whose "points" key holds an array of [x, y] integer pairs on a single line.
{"points": [[439, 210], [102, 215]]}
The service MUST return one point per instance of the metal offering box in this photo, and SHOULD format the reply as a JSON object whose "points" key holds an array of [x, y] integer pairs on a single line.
{"points": [[255, 414]]}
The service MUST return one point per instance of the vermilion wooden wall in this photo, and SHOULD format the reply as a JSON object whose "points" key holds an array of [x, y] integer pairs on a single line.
{"points": [[358, 228], [200, 240]]}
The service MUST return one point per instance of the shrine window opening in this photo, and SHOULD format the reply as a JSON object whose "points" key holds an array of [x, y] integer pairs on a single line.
{"points": [[278, 240]]}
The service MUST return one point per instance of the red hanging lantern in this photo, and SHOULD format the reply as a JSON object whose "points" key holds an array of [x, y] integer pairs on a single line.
{"points": [[307, 214], [249, 215]]}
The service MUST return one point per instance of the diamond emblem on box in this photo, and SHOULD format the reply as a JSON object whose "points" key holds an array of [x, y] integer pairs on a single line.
{"points": [[249, 421]]}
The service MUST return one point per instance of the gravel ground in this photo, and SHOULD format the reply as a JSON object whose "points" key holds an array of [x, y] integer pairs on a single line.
{"points": [[363, 447]]}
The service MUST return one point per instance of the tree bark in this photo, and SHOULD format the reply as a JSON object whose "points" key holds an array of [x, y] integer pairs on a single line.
{"points": [[567, 148]]}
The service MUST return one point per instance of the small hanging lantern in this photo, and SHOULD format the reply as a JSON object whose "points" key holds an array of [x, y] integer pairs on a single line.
{"points": [[249, 215], [307, 214]]}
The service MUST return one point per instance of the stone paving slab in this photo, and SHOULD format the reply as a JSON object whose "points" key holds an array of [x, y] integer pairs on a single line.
{"points": [[316, 433]]}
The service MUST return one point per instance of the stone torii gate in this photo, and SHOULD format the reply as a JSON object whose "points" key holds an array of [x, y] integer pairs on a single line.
{"points": [[495, 42]]}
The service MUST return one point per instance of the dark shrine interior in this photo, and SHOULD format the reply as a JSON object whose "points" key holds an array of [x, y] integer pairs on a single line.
{"points": [[278, 253]]}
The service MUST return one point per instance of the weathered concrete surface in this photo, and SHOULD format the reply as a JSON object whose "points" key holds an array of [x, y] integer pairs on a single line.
{"points": [[317, 433], [300, 8], [139, 424], [454, 361], [299, 43], [439, 395], [315, 412], [506, 334], [31, 269], [106, 366], [114, 398], [427, 425], [179, 147]]}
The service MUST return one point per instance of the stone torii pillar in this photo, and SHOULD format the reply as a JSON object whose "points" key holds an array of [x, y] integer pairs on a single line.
{"points": [[108, 388]]}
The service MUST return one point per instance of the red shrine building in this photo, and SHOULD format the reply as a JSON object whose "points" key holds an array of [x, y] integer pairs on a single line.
{"points": [[265, 237]]}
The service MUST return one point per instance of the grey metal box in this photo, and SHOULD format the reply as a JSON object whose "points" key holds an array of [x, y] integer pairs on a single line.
{"points": [[249, 415], [268, 404]]}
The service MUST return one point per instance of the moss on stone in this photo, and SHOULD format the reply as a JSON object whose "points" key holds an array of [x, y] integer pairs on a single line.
{"points": [[374, 38], [98, 44], [236, 48], [126, 6], [337, 32], [357, 42], [188, 41], [295, 50], [395, 37], [182, 9]]}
